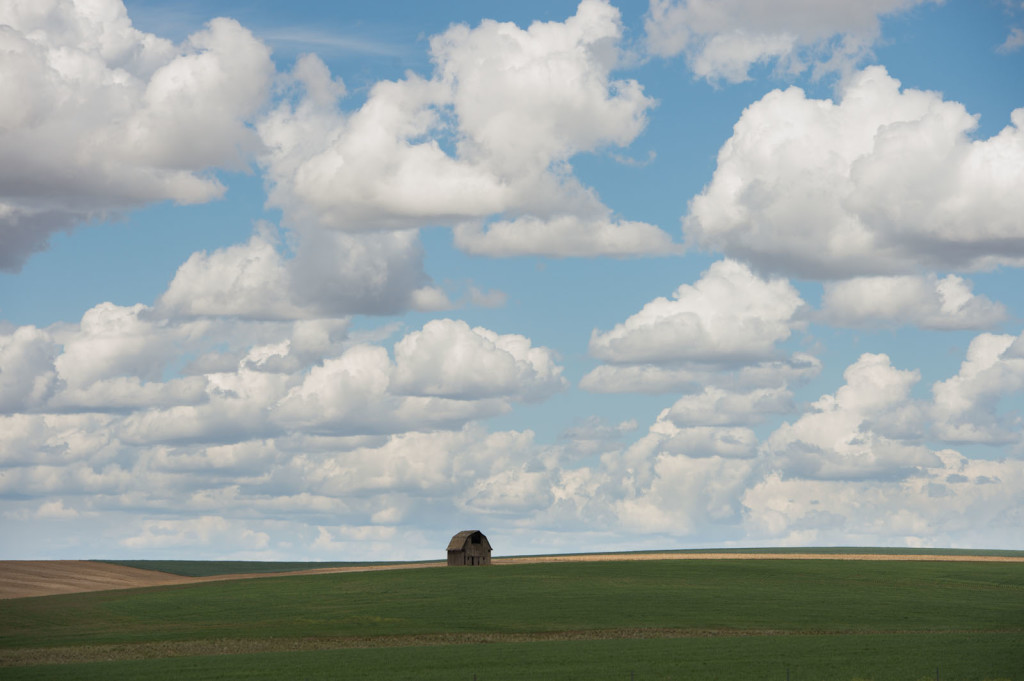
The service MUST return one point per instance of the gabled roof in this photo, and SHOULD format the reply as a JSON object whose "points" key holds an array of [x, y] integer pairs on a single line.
{"points": [[458, 542]]}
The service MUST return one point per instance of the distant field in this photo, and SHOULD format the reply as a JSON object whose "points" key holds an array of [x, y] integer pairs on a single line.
{"points": [[823, 620], [211, 568], [835, 550], [207, 568]]}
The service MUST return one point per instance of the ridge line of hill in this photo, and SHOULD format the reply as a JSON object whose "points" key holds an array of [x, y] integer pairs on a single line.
{"points": [[21, 579]]}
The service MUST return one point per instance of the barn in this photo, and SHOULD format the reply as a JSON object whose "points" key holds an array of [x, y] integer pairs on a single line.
{"points": [[469, 547]]}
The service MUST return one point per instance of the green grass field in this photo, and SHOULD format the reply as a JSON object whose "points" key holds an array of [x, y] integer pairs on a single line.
{"points": [[816, 620]]}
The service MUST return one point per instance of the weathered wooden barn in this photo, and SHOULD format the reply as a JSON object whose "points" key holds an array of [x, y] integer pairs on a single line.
{"points": [[469, 547]]}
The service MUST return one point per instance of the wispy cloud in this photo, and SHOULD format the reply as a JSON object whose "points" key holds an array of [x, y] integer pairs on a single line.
{"points": [[321, 41], [1013, 42]]}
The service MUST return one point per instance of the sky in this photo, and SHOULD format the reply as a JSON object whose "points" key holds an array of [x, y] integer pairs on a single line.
{"points": [[334, 281]]}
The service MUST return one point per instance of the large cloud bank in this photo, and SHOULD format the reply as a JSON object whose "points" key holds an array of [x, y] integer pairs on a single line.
{"points": [[307, 436], [98, 117]]}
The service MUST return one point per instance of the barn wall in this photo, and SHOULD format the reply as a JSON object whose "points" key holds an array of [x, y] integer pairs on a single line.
{"points": [[470, 552], [479, 554], [471, 555]]}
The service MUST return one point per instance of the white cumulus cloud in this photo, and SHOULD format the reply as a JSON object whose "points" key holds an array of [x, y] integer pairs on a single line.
{"points": [[729, 315], [839, 438], [113, 340], [718, 407], [924, 301], [967, 406], [690, 490], [564, 235], [227, 535], [488, 136], [954, 502], [330, 274], [447, 358], [26, 368], [885, 181], [693, 376]]}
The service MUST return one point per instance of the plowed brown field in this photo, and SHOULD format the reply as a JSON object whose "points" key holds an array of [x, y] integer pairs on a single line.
{"points": [[25, 578], [20, 578]]}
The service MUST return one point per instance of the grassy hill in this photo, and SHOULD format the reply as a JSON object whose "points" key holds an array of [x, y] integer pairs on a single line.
{"points": [[753, 619]]}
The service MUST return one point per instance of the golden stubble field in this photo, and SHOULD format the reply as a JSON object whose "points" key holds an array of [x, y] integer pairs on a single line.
{"points": [[26, 578]]}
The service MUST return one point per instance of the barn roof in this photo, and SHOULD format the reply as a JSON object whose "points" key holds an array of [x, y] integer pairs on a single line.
{"points": [[460, 539]]}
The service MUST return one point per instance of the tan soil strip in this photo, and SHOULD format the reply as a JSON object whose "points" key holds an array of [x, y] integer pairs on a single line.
{"points": [[321, 571], [24, 578], [165, 649]]}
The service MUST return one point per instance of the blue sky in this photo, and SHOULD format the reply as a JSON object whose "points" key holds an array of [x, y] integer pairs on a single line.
{"points": [[314, 281]]}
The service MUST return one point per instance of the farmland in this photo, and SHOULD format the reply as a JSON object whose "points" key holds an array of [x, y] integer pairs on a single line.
{"points": [[653, 619]]}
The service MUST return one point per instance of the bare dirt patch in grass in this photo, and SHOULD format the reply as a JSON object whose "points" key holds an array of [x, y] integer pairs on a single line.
{"points": [[167, 649]]}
